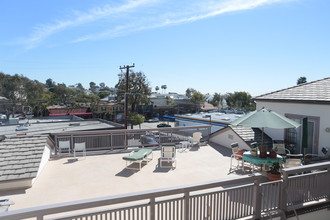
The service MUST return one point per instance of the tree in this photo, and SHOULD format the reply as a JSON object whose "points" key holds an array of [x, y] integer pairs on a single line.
{"points": [[217, 100], [137, 119], [164, 87], [83, 98], [62, 94], [103, 94], [198, 98], [20, 91], [157, 88], [80, 89], [240, 100], [301, 80], [34, 93], [138, 89], [93, 87], [50, 83], [102, 85], [189, 92]]}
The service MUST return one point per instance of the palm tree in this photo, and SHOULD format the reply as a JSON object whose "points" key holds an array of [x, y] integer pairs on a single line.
{"points": [[157, 88], [164, 87]]}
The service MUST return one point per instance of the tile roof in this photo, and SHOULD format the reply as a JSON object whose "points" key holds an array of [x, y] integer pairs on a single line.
{"points": [[250, 135], [20, 156], [310, 92]]}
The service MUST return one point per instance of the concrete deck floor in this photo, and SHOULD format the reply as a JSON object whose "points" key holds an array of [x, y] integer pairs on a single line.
{"points": [[104, 175]]}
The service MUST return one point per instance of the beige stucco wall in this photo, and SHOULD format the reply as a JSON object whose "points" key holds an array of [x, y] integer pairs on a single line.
{"points": [[228, 137], [44, 160], [15, 184], [316, 110]]}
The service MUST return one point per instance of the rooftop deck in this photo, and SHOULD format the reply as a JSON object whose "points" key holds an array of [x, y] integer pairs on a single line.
{"points": [[65, 180]]}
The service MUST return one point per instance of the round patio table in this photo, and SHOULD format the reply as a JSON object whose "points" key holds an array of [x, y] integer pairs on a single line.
{"points": [[256, 160]]}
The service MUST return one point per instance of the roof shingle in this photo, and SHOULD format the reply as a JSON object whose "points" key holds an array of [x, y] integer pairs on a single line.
{"points": [[20, 156], [311, 92]]}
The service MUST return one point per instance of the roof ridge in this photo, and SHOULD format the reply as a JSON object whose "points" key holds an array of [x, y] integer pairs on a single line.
{"points": [[299, 85]]}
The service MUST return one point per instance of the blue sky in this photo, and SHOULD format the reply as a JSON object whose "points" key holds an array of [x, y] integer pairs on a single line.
{"points": [[256, 46]]}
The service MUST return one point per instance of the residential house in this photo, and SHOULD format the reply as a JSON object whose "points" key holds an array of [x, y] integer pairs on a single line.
{"points": [[309, 100], [171, 103], [109, 110], [63, 111]]}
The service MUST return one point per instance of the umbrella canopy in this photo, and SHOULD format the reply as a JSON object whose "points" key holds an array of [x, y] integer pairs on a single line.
{"points": [[265, 118]]}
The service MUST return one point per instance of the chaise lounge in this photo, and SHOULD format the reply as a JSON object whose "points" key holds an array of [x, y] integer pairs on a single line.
{"points": [[140, 156]]}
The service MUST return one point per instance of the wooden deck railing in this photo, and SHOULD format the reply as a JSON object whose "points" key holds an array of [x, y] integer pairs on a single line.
{"points": [[245, 196], [123, 139]]}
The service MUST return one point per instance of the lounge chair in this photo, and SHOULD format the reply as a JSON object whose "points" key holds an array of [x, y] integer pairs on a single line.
{"points": [[196, 139], [235, 156], [64, 146], [168, 155], [139, 157], [279, 148], [79, 147]]}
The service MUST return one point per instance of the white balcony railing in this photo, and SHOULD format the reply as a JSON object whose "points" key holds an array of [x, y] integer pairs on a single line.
{"points": [[122, 138]]}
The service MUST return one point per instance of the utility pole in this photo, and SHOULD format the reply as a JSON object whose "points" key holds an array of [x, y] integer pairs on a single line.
{"points": [[126, 90]]}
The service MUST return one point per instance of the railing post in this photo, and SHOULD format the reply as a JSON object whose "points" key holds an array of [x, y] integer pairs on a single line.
{"points": [[186, 210], [152, 208], [328, 181], [125, 139], [71, 143], [284, 192], [56, 144], [257, 199]]}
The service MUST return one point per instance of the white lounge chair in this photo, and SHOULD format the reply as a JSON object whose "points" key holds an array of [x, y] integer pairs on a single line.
{"points": [[79, 147], [196, 139], [168, 155], [64, 146]]}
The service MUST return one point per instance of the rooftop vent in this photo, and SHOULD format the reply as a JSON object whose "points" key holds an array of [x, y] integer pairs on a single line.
{"points": [[74, 124]]}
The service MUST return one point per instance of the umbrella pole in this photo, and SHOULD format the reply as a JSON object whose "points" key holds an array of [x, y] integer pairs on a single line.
{"points": [[262, 136]]}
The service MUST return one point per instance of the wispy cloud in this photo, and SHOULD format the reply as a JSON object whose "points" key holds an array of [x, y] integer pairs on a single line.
{"points": [[43, 31], [138, 15]]}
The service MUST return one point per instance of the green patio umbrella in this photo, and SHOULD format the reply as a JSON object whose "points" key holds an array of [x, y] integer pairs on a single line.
{"points": [[264, 118]]}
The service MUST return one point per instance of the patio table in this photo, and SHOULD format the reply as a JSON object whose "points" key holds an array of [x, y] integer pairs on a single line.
{"points": [[256, 160]]}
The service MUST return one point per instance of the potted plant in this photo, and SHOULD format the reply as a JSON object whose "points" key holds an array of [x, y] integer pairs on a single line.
{"points": [[274, 172], [263, 151], [272, 153]]}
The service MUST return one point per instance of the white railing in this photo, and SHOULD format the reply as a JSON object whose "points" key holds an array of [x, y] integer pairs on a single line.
{"points": [[245, 196], [212, 200], [122, 138], [305, 184]]}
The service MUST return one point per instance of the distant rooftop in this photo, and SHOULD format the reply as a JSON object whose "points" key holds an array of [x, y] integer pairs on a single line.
{"points": [[171, 95], [317, 92], [215, 117], [55, 125]]}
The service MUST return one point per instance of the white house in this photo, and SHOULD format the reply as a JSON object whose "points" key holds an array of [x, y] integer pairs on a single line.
{"points": [[311, 100]]}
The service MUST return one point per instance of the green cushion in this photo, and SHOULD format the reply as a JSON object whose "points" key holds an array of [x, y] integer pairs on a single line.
{"points": [[139, 155]]}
